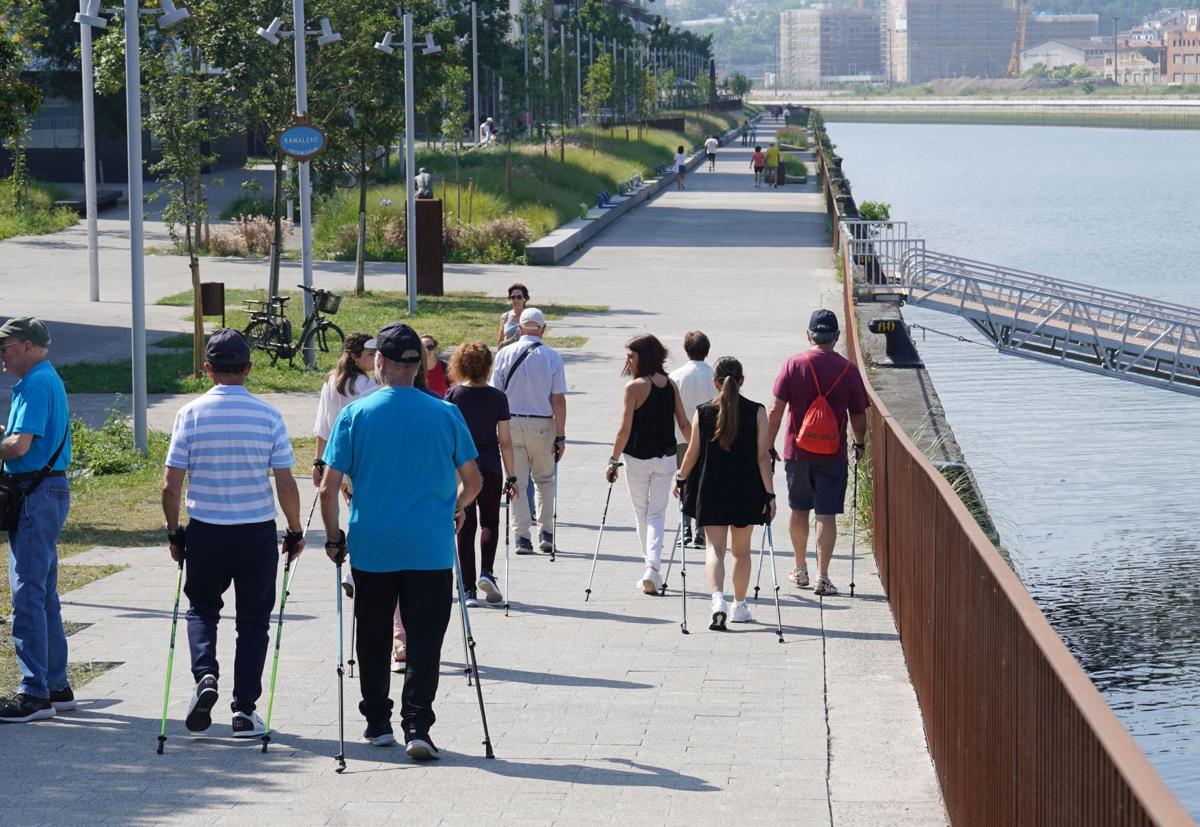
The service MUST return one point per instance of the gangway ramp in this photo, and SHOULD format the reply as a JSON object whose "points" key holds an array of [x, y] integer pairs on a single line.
{"points": [[1026, 314]]}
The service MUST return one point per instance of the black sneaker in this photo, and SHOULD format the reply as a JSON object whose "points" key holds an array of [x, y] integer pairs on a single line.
{"points": [[545, 541], [420, 747], [699, 538], [380, 734], [472, 598], [199, 715], [63, 700], [524, 545], [687, 535], [22, 708]]}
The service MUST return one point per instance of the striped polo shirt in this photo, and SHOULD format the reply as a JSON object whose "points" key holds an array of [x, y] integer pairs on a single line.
{"points": [[227, 441]]}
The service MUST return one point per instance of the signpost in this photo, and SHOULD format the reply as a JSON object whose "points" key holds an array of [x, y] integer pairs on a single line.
{"points": [[303, 140]]}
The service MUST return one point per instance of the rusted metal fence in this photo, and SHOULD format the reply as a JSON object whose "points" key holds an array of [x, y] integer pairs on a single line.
{"points": [[1018, 733]]}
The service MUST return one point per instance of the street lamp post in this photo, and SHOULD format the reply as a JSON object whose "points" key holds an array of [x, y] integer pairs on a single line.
{"points": [[474, 75], [87, 18]]}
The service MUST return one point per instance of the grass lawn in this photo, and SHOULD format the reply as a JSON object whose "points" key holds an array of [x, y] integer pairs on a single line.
{"points": [[451, 319], [38, 216], [107, 509]]}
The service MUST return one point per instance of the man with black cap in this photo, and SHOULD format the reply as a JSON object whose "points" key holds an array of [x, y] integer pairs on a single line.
{"points": [[411, 460], [35, 452], [228, 444], [817, 479]]}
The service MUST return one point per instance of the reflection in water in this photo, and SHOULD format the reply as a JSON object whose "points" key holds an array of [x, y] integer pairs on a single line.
{"points": [[1095, 475]]}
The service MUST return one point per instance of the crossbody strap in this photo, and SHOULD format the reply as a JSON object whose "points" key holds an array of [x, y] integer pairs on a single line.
{"points": [[812, 368], [517, 363], [45, 472]]}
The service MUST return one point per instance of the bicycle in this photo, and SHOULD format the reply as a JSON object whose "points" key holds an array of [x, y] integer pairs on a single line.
{"points": [[270, 330]]}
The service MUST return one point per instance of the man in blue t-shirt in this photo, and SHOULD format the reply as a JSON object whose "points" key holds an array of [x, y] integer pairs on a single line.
{"points": [[411, 460], [35, 449]]}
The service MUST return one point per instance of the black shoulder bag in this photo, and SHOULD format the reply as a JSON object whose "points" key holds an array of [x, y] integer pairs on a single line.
{"points": [[11, 495], [518, 362]]}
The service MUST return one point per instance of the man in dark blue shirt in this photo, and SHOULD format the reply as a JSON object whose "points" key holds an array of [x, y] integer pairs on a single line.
{"points": [[35, 449]]}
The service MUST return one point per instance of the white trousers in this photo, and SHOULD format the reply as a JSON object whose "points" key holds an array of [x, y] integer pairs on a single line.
{"points": [[649, 482]]}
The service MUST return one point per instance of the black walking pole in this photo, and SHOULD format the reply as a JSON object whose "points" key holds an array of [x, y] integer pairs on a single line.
{"points": [[761, 553], [507, 543], [853, 527], [341, 756], [683, 572], [554, 513], [473, 664]]}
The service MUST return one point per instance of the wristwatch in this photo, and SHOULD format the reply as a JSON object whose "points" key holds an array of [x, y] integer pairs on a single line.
{"points": [[318, 463], [175, 536], [291, 539]]}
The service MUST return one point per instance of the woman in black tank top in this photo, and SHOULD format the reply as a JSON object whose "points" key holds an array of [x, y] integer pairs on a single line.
{"points": [[646, 440]]}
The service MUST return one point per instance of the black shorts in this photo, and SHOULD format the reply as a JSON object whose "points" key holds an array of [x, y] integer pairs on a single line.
{"points": [[819, 486]]}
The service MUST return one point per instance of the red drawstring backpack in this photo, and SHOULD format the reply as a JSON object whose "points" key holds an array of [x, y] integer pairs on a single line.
{"points": [[819, 430]]}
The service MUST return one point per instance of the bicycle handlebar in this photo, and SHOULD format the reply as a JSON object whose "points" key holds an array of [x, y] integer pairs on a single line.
{"points": [[313, 290]]}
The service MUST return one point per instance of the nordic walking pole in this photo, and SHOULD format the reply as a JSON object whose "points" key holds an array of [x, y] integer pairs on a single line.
{"points": [[853, 527], [507, 543], [287, 572], [162, 732], [554, 513], [775, 582], [473, 664], [587, 593], [671, 562], [352, 661], [761, 553], [683, 572], [341, 756]]}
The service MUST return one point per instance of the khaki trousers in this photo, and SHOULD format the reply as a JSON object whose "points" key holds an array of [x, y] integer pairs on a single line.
{"points": [[533, 453]]}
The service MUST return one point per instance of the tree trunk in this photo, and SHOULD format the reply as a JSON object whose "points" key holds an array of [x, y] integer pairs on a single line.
{"points": [[197, 308], [277, 244], [360, 255]]}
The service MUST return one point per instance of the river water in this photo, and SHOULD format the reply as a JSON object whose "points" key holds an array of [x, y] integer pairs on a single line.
{"points": [[1091, 480]]}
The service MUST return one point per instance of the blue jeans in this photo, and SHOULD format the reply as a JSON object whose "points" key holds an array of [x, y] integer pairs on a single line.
{"points": [[37, 629]]}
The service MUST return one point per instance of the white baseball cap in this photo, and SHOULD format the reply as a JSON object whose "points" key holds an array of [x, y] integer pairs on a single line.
{"points": [[532, 317]]}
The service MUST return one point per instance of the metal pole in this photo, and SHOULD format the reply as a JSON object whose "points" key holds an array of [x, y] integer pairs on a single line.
{"points": [[578, 81], [89, 155], [474, 76], [525, 36], [562, 60], [410, 253], [137, 254], [298, 27]]}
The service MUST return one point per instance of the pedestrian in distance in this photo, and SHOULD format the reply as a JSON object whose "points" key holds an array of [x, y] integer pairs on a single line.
{"points": [[35, 453], [411, 460], [435, 368], [773, 162], [680, 168], [228, 444], [758, 162], [820, 390], [745, 131], [487, 133], [510, 322], [754, 132], [710, 150], [531, 375], [695, 382], [726, 481], [646, 440], [786, 114], [485, 410]]}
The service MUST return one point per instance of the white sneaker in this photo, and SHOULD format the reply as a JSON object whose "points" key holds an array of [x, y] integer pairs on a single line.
{"points": [[651, 581], [741, 612], [720, 611], [248, 726], [799, 577], [825, 587]]}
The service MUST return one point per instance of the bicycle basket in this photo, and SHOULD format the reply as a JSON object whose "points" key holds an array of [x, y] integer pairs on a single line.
{"points": [[327, 302]]}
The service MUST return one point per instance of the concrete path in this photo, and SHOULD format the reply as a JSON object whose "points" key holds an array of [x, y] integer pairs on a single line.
{"points": [[599, 711]]}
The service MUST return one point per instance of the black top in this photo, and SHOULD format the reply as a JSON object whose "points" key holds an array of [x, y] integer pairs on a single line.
{"points": [[482, 408], [725, 487], [652, 433]]}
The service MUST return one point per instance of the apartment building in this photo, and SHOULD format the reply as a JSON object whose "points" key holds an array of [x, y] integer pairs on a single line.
{"points": [[929, 39], [820, 46]]}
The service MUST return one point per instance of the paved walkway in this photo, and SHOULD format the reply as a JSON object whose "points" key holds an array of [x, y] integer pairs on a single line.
{"points": [[599, 711]]}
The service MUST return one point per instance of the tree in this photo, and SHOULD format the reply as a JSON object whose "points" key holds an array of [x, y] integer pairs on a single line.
{"points": [[455, 117], [19, 101], [739, 84], [597, 89]]}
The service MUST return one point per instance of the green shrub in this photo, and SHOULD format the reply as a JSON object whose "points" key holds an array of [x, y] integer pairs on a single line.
{"points": [[792, 136], [794, 166], [37, 215], [110, 449], [874, 211], [247, 204]]}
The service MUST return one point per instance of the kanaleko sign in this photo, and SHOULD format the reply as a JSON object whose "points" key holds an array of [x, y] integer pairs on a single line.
{"points": [[302, 140]]}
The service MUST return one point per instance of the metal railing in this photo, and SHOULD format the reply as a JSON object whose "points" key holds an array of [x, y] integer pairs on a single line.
{"points": [[876, 250], [1018, 733]]}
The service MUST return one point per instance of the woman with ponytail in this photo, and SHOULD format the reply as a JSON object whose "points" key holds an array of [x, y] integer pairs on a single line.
{"points": [[646, 442], [726, 474]]}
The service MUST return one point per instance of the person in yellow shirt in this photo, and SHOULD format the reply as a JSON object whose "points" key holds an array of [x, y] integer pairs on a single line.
{"points": [[773, 165]]}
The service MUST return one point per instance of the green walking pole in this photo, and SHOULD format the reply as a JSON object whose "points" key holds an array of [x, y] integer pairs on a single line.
{"points": [[287, 572], [162, 732]]}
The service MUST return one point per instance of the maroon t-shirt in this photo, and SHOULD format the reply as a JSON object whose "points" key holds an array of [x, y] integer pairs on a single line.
{"points": [[796, 387]]}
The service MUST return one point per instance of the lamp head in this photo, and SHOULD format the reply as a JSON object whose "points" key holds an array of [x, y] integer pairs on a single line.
{"points": [[271, 32], [431, 48], [328, 35], [89, 15], [462, 42], [171, 16], [385, 45]]}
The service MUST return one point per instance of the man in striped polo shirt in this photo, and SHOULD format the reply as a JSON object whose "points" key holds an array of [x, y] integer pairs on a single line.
{"points": [[228, 443]]}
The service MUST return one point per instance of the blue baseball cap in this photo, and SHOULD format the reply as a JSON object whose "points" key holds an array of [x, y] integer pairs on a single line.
{"points": [[227, 348], [823, 325]]}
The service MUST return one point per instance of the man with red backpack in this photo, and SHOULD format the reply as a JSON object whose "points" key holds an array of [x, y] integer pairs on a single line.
{"points": [[821, 390]]}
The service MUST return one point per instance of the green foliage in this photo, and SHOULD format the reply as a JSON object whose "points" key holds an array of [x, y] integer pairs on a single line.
{"points": [[35, 215], [792, 136], [110, 449], [794, 166], [247, 205], [455, 118], [19, 98], [874, 211], [598, 87], [739, 85]]}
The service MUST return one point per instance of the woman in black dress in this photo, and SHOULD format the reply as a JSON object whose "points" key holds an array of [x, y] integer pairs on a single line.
{"points": [[726, 474]]}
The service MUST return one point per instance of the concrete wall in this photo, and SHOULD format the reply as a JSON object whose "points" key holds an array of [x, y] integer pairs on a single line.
{"points": [[800, 48]]}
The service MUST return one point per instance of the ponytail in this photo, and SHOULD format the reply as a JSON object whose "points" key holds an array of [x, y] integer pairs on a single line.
{"points": [[729, 371]]}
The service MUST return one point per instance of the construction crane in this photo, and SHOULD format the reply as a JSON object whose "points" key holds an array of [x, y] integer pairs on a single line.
{"points": [[1018, 44]]}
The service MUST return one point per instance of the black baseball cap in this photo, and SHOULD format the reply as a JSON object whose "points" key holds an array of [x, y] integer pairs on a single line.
{"points": [[227, 348], [397, 342], [823, 325]]}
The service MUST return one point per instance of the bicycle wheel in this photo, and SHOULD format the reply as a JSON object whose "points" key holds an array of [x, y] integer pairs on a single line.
{"points": [[256, 332], [324, 338]]}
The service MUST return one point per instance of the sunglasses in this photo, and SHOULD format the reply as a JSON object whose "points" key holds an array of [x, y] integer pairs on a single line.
{"points": [[5, 347], [431, 347], [516, 296]]}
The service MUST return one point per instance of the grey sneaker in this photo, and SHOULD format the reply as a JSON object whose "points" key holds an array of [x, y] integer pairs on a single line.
{"points": [[472, 599], [799, 577], [825, 587], [491, 591], [546, 541], [524, 545]]}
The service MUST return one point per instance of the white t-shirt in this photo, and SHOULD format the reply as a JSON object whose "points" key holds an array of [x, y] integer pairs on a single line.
{"points": [[680, 160], [695, 381], [710, 146], [332, 402]]}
